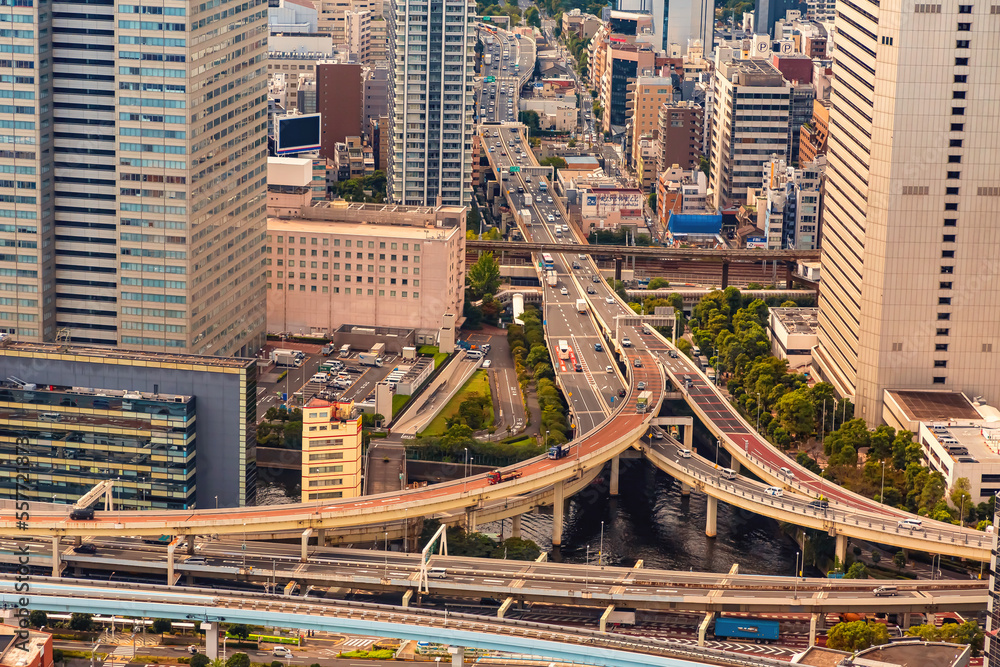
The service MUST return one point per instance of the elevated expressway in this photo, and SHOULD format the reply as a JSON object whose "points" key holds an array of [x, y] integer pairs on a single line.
{"points": [[271, 567], [564, 644]]}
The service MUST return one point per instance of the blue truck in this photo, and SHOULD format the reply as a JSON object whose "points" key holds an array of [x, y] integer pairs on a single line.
{"points": [[760, 631]]}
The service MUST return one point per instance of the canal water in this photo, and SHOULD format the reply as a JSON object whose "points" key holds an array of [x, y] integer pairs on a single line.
{"points": [[650, 520]]}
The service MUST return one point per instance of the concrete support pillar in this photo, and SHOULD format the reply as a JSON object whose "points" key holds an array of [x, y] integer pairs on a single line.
{"points": [[841, 550], [56, 560], [813, 620], [407, 596], [558, 507], [735, 466], [457, 655], [906, 621], [789, 282], [725, 275], [515, 530], [930, 618], [78, 540], [615, 471], [306, 534], [685, 489], [603, 626], [703, 627], [688, 435], [211, 629], [170, 561], [471, 522], [190, 545], [711, 513], [321, 537]]}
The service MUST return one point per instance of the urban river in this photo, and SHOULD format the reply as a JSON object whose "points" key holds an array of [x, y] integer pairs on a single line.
{"points": [[649, 520]]}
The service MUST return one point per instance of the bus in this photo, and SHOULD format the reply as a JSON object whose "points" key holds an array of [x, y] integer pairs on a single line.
{"points": [[548, 262]]}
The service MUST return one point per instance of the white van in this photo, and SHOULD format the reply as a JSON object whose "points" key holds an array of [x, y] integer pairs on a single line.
{"points": [[727, 473], [281, 652], [775, 491], [684, 453], [473, 354], [437, 573], [911, 524], [885, 591], [487, 363]]}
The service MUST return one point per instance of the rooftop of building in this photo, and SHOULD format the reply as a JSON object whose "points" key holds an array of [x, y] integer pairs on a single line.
{"points": [[10, 346], [803, 321], [581, 162], [911, 654], [819, 656], [15, 652], [416, 222], [934, 406], [751, 72]]}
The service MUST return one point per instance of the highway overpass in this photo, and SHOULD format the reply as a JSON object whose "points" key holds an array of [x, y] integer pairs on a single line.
{"points": [[273, 566], [564, 644], [702, 254]]}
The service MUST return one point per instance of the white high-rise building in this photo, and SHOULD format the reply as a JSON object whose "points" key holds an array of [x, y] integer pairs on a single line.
{"points": [[910, 274], [135, 192], [431, 101], [680, 23]]}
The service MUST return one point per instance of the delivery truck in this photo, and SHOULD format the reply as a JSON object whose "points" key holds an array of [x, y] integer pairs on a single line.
{"points": [[369, 359], [552, 278], [642, 403], [378, 349], [285, 359], [497, 477], [526, 217], [581, 305], [563, 349], [527, 199]]}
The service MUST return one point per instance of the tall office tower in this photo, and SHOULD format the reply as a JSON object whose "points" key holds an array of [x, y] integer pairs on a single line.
{"points": [[136, 196], [431, 101], [992, 647], [910, 279], [677, 22]]}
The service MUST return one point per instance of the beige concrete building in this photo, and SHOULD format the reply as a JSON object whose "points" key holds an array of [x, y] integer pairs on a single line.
{"points": [[331, 450], [644, 97], [128, 171], [365, 264], [749, 124], [910, 278]]}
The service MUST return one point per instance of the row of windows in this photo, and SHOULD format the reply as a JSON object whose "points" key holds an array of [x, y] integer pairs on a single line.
{"points": [[347, 290], [153, 312], [347, 243], [151, 118]]}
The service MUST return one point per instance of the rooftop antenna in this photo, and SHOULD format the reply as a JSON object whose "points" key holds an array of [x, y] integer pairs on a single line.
{"points": [[63, 337]]}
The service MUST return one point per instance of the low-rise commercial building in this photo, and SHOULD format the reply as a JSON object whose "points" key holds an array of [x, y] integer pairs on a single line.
{"points": [[23, 647], [959, 437], [609, 208], [680, 134], [365, 264], [331, 450], [175, 430], [793, 334]]}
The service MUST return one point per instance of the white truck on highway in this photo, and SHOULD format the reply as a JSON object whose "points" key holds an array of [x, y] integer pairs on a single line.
{"points": [[527, 199], [581, 305], [526, 217], [552, 278]]}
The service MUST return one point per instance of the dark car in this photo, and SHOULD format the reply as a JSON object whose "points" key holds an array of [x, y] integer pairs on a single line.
{"points": [[621, 393], [85, 549], [819, 504], [82, 514]]}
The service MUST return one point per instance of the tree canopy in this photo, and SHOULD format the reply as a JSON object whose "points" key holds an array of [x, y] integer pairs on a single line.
{"points": [[856, 636], [483, 277]]}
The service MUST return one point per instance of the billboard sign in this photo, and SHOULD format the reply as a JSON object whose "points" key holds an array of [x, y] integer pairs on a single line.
{"points": [[297, 134]]}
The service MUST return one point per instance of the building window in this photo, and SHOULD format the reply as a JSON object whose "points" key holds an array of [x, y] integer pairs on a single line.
{"points": [[940, 363], [942, 317], [950, 222], [947, 269], [958, 111], [948, 238], [941, 347], [961, 62], [951, 206], [957, 127], [987, 347], [962, 44], [961, 78], [944, 300], [958, 94], [939, 380], [943, 332], [954, 159], [954, 175], [945, 285], [965, 9], [951, 191]]}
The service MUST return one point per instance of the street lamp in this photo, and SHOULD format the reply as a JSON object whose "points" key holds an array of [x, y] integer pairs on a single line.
{"points": [[881, 492], [217, 502], [758, 412], [600, 554], [718, 445], [795, 589]]}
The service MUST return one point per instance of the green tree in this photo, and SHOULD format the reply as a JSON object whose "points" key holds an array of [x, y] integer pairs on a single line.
{"points": [[483, 277], [659, 283], [200, 660], [953, 633], [899, 559], [37, 618], [58, 656], [960, 496], [160, 626], [241, 631], [531, 17], [876, 557], [553, 161], [516, 548], [238, 660], [856, 571], [856, 636], [81, 622], [530, 119], [797, 413], [933, 491]]}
